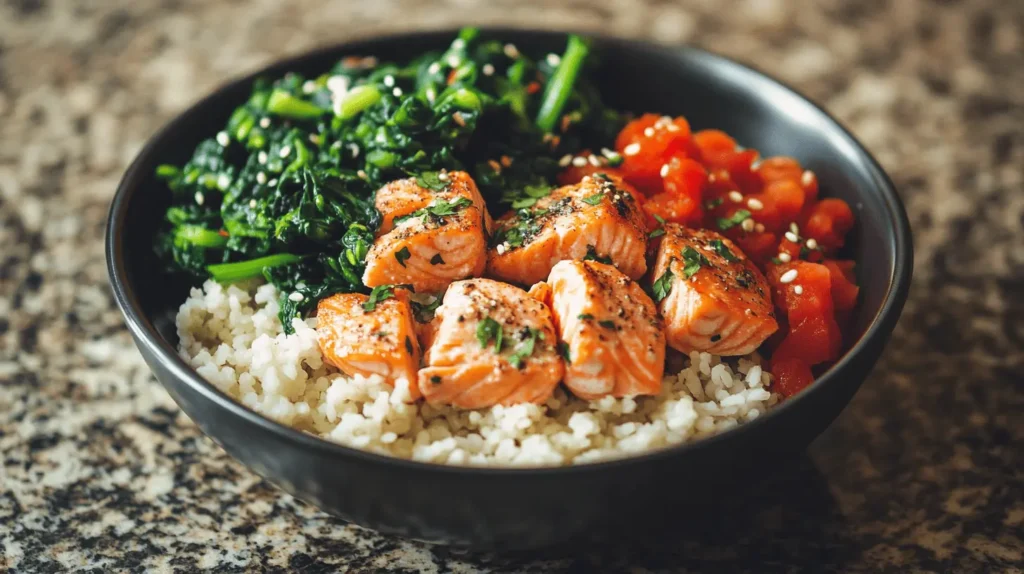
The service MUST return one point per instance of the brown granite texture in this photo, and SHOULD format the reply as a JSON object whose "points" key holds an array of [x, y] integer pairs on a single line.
{"points": [[924, 472]]}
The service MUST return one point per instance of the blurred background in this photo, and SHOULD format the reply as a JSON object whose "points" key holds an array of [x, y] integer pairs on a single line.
{"points": [[922, 472]]}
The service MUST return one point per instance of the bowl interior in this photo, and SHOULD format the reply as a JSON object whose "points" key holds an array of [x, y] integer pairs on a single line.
{"points": [[710, 91]]}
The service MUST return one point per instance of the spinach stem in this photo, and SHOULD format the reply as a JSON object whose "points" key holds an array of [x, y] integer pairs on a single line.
{"points": [[286, 105], [229, 272], [559, 87], [356, 100], [199, 235]]}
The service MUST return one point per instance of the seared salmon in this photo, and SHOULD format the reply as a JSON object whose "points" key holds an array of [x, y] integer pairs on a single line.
{"points": [[710, 295], [614, 340], [593, 219], [404, 196], [489, 343], [363, 338], [430, 247]]}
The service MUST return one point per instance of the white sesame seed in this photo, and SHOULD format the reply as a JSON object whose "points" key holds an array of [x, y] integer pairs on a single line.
{"points": [[337, 84], [314, 139], [735, 196], [579, 161], [389, 81], [785, 257], [755, 165], [488, 70], [759, 227], [664, 170], [565, 160], [793, 227], [812, 244], [223, 139], [458, 44], [792, 237], [608, 153], [649, 132], [711, 178], [252, 203], [798, 289], [272, 182], [500, 248], [663, 121], [434, 68], [788, 276], [807, 178], [361, 174], [431, 94], [264, 123], [554, 60], [755, 204], [672, 128], [585, 179], [511, 51], [261, 157], [300, 285], [396, 92], [261, 178], [442, 176], [355, 150], [747, 225], [223, 181], [296, 296], [308, 87], [453, 61], [200, 198], [593, 160], [632, 149], [285, 151]]}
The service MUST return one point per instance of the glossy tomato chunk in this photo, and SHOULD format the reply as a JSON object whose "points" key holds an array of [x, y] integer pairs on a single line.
{"points": [[791, 376], [647, 143]]}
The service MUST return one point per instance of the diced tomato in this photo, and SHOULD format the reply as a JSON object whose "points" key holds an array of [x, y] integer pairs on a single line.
{"points": [[828, 221], [815, 339], [646, 144], [685, 176], [787, 198], [778, 169], [760, 247], [674, 208], [791, 376], [806, 299], [809, 182], [741, 172], [716, 148], [844, 284]]}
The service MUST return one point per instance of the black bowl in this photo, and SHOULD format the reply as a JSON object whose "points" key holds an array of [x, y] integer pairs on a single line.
{"points": [[494, 508]]}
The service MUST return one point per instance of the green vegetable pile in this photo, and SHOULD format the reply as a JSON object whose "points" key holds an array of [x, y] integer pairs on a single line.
{"points": [[285, 191]]}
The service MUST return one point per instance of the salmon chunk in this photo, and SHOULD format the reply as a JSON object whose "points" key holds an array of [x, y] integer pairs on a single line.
{"points": [[429, 248], [592, 219], [614, 340], [711, 296], [362, 335], [490, 343], [404, 196]]}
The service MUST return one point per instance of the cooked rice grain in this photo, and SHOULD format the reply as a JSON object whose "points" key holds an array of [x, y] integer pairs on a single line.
{"points": [[233, 338]]}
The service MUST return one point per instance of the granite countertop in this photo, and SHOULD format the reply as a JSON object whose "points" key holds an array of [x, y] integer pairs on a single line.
{"points": [[923, 472]]}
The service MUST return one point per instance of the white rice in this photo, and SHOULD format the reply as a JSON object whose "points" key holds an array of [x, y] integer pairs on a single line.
{"points": [[233, 338]]}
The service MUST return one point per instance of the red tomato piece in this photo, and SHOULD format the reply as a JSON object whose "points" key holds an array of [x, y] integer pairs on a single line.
{"points": [[685, 176], [741, 171], [760, 247], [779, 168], [716, 148], [803, 291], [828, 222], [646, 144], [674, 208], [787, 198], [791, 376], [844, 284]]}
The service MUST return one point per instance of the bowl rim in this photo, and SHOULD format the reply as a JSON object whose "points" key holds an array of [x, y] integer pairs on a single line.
{"points": [[145, 334]]}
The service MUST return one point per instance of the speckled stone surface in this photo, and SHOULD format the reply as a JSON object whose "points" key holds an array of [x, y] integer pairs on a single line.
{"points": [[924, 472]]}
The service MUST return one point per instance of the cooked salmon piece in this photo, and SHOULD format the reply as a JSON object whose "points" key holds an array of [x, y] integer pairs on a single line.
{"points": [[364, 337], [430, 248], [404, 196], [490, 344], [710, 295], [611, 329], [593, 219]]}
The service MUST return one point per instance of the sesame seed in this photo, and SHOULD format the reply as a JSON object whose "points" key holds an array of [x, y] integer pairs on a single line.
{"points": [[785, 257], [788, 276], [442, 176], [223, 181], [431, 94], [755, 165], [649, 132], [500, 248], [711, 178], [458, 44], [453, 61], [337, 84], [593, 160], [792, 237], [264, 123], [793, 227], [434, 68], [308, 87], [759, 227], [361, 174], [812, 244], [223, 139], [296, 296], [200, 198], [807, 178], [252, 203], [672, 128], [488, 70], [747, 225], [664, 170], [314, 139], [632, 149], [272, 182], [396, 92], [355, 150], [755, 204], [565, 160], [389, 81], [285, 151], [261, 157], [457, 118], [735, 196], [798, 289], [554, 60], [608, 153], [511, 51], [579, 161], [261, 178], [663, 121], [585, 179]]}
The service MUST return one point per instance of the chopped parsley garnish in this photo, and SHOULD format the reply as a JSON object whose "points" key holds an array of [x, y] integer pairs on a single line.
{"points": [[693, 260], [563, 349], [380, 293], [532, 193], [607, 324], [593, 256], [776, 261], [430, 180], [720, 248], [437, 260], [709, 205], [525, 349], [659, 231], [438, 209], [584, 316], [424, 313], [402, 255], [593, 199], [489, 329], [662, 286], [737, 218]]}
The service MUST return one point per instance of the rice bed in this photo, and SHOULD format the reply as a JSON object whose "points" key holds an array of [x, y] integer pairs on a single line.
{"points": [[232, 337]]}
